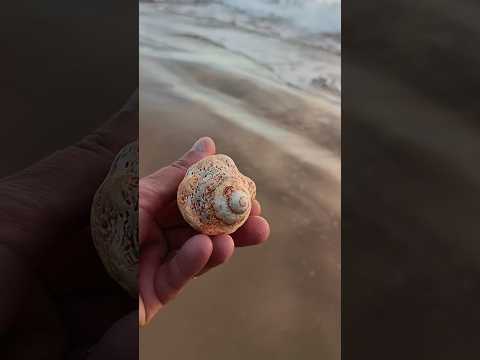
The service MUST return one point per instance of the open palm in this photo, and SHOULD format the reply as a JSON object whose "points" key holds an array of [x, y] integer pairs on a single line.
{"points": [[171, 252]]}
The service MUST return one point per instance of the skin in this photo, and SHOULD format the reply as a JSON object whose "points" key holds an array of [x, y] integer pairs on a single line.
{"points": [[56, 298], [171, 252]]}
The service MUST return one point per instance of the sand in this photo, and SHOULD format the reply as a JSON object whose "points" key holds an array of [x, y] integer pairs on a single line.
{"points": [[280, 300]]}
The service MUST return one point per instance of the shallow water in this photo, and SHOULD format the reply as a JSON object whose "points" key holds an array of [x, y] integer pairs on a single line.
{"points": [[235, 77]]}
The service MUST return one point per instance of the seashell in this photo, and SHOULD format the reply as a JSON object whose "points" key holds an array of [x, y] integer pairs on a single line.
{"points": [[114, 219], [214, 197]]}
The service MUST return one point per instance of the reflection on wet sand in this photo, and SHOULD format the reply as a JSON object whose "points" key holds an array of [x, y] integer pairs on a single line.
{"points": [[280, 300]]}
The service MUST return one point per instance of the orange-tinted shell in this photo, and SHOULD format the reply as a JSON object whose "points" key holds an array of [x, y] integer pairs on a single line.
{"points": [[214, 197]]}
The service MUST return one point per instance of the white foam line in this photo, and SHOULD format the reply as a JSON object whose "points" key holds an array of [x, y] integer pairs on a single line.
{"points": [[293, 144], [263, 79]]}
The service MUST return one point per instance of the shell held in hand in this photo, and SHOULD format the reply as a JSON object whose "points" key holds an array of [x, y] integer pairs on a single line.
{"points": [[214, 197], [114, 219]]}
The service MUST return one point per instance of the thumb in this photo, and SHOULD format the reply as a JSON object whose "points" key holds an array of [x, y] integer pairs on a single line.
{"points": [[54, 195], [119, 342], [160, 188]]}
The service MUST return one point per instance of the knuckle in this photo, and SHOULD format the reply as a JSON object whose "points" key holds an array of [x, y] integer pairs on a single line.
{"points": [[182, 164]]}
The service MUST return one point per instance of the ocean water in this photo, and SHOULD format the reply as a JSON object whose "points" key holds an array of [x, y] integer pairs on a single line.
{"points": [[313, 16], [262, 78], [297, 40], [310, 15]]}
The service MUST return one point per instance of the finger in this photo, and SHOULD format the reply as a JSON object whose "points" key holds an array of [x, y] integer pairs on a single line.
{"points": [[223, 249], [176, 237], [142, 315], [255, 231], [160, 188], [256, 208], [132, 105], [173, 275], [179, 231], [152, 252], [119, 342]]}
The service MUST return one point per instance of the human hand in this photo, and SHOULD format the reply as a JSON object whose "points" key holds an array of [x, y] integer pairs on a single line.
{"points": [[52, 282], [171, 252]]}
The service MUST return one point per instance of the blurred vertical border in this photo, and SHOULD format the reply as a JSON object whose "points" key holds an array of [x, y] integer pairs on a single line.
{"points": [[411, 189], [65, 68]]}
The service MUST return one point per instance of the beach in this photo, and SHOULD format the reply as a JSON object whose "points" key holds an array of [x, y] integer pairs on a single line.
{"points": [[268, 92]]}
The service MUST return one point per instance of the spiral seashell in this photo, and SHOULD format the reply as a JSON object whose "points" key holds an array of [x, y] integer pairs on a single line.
{"points": [[214, 197], [114, 219]]}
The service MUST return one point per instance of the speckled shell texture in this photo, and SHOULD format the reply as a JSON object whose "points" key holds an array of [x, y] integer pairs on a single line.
{"points": [[114, 219], [214, 197]]}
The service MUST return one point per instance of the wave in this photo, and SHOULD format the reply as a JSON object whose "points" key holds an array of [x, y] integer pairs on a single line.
{"points": [[314, 16], [311, 16], [295, 58]]}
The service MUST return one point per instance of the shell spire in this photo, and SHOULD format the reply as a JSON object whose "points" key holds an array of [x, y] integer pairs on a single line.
{"points": [[214, 197]]}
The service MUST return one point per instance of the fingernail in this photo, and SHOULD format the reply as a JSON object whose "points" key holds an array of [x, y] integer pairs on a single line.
{"points": [[199, 145]]}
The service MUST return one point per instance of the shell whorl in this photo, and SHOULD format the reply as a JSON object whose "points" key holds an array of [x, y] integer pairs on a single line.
{"points": [[231, 201], [214, 197], [238, 201]]}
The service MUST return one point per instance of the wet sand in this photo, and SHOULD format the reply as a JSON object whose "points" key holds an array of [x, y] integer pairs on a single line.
{"points": [[280, 300]]}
